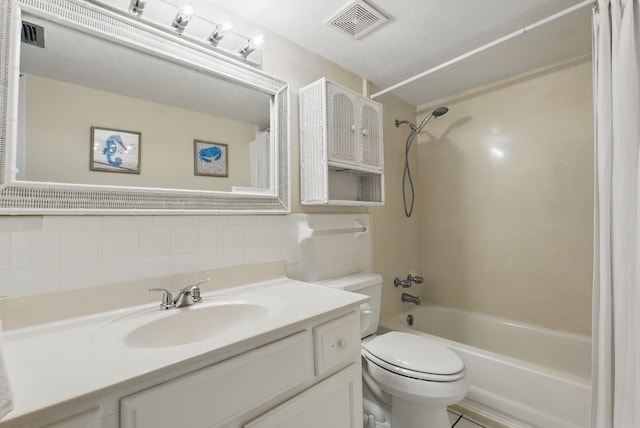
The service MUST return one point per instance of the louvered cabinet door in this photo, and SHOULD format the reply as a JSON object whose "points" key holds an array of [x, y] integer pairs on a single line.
{"points": [[371, 147], [343, 126]]}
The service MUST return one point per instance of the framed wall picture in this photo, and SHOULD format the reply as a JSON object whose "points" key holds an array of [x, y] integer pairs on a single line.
{"points": [[114, 150], [210, 159]]}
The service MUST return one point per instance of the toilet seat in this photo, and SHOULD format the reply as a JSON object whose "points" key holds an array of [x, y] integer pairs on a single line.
{"points": [[414, 356]]}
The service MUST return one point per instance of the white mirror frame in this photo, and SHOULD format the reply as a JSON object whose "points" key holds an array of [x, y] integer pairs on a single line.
{"points": [[24, 197]]}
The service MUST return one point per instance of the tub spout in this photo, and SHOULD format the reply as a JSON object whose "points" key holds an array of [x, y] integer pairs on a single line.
{"points": [[406, 297]]}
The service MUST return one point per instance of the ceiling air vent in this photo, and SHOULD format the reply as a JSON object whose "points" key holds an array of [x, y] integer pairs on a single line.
{"points": [[32, 34], [357, 19]]}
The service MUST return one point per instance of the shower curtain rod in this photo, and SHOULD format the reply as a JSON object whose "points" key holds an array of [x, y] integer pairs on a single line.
{"points": [[485, 47]]}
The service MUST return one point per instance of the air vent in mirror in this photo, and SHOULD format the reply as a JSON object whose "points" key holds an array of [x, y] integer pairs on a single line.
{"points": [[32, 34]]}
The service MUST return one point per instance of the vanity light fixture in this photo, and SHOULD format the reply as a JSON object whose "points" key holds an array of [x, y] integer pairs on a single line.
{"points": [[218, 33], [251, 45], [182, 18], [136, 7]]}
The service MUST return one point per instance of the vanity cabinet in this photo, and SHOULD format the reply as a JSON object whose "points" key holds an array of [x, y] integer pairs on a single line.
{"points": [[341, 146], [298, 360], [300, 380]]}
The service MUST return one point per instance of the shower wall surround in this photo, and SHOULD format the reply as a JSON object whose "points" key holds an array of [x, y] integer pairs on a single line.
{"points": [[506, 200], [44, 254]]}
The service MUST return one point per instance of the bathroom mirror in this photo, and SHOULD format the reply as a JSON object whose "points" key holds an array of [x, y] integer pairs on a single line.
{"points": [[198, 132]]}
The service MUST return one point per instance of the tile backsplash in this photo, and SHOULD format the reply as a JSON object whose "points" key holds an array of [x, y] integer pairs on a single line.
{"points": [[43, 254]]}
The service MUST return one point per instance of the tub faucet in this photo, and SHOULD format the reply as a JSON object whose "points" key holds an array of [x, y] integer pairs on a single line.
{"points": [[406, 297], [187, 296]]}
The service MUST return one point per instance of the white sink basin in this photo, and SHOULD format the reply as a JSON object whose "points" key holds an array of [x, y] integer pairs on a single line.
{"points": [[213, 317]]}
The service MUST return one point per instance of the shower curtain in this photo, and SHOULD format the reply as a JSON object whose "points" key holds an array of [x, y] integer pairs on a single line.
{"points": [[616, 284]]}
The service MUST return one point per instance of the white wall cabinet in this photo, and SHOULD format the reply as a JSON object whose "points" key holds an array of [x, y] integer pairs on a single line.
{"points": [[341, 146]]}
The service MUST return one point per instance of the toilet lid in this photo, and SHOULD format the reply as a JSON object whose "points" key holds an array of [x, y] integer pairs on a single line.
{"points": [[414, 356]]}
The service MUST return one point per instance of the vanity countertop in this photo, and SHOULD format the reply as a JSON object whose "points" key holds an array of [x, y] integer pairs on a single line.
{"points": [[65, 361]]}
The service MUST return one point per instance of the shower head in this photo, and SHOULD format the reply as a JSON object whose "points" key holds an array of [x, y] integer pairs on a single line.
{"points": [[440, 111], [436, 113]]}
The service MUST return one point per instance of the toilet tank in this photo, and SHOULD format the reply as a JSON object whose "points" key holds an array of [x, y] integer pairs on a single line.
{"points": [[369, 284]]}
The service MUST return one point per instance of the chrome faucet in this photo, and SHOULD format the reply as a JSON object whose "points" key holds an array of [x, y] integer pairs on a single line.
{"points": [[406, 297], [187, 296]]}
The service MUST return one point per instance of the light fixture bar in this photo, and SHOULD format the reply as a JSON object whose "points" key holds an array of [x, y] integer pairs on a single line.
{"points": [[251, 45], [136, 7], [182, 18], [218, 33]]}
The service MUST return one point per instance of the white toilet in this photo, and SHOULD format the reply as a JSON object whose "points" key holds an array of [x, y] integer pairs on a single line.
{"points": [[409, 380]]}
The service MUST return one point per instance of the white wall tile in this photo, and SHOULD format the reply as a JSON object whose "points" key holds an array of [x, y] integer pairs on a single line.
{"points": [[210, 260], [291, 253], [210, 238], [120, 244], [34, 280], [254, 255], [173, 221], [5, 250], [80, 246], [211, 220], [233, 238], [127, 222], [273, 235], [254, 236], [184, 240], [120, 270], [80, 275], [5, 283], [151, 267], [234, 257], [181, 263], [155, 242], [243, 219], [30, 249], [82, 251], [75, 222], [273, 253]]}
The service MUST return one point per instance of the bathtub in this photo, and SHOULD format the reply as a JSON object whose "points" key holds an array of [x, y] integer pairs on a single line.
{"points": [[520, 375]]}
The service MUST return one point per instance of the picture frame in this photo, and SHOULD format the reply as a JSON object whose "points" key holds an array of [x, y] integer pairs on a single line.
{"points": [[210, 159], [115, 150]]}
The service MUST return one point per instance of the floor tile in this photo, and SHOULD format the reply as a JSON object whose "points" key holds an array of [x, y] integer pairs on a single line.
{"points": [[453, 417], [466, 423]]}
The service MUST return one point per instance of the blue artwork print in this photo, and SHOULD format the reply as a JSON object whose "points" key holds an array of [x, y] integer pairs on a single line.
{"points": [[111, 148], [210, 158], [210, 154], [114, 150]]}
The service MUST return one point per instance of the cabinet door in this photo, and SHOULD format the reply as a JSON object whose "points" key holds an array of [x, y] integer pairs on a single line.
{"points": [[335, 402], [342, 126], [371, 145], [212, 396]]}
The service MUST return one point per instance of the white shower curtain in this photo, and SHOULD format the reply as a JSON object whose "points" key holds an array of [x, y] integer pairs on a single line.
{"points": [[616, 285]]}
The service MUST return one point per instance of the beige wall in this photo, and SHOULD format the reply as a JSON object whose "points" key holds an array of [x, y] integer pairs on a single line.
{"points": [[507, 200]]}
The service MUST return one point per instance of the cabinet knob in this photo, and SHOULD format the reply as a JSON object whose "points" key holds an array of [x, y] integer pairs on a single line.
{"points": [[365, 131], [353, 128], [342, 344]]}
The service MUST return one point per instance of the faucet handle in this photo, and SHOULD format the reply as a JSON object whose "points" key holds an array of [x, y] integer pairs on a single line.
{"points": [[194, 289], [167, 298], [405, 283], [417, 279]]}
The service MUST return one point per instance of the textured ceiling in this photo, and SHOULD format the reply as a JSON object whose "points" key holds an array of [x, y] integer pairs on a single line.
{"points": [[421, 34]]}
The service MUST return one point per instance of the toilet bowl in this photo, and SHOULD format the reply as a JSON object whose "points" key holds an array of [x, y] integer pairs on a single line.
{"points": [[412, 376]]}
